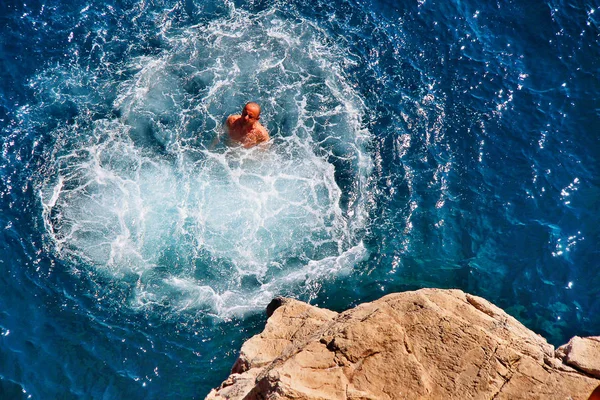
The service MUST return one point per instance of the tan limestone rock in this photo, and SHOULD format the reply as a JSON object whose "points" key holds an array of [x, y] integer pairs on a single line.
{"points": [[427, 344], [582, 354], [294, 321]]}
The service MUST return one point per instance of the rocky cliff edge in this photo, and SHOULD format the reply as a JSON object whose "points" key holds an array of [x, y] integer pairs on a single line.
{"points": [[427, 344]]}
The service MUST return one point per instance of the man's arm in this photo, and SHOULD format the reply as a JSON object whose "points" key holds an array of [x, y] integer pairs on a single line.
{"points": [[263, 135], [230, 121], [226, 128]]}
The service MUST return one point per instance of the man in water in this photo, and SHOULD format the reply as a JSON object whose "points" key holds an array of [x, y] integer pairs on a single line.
{"points": [[245, 129]]}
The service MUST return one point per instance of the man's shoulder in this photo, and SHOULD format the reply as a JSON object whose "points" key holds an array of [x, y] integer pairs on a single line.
{"points": [[264, 133], [232, 118]]}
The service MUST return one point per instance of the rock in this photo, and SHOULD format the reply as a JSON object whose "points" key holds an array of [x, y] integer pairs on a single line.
{"points": [[290, 323], [582, 354], [427, 344]]}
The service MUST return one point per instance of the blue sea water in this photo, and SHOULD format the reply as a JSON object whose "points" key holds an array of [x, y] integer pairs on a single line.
{"points": [[451, 144]]}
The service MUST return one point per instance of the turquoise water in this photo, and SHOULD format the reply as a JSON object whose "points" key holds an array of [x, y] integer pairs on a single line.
{"points": [[416, 144]]}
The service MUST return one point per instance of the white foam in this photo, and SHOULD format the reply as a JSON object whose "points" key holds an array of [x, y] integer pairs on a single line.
{"points": [[219, 230]]}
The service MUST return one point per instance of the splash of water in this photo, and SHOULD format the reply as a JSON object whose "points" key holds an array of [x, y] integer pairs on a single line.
{"points": [[145, 196]]}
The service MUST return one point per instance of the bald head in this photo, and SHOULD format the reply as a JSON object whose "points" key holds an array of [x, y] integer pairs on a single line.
{"points": [[250, 114], [252, 106]]}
